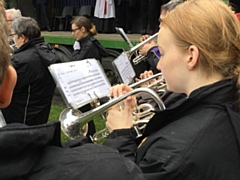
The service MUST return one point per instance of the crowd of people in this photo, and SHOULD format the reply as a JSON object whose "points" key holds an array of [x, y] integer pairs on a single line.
{"points": [[109, 14], [196, 135], [121, 13]]}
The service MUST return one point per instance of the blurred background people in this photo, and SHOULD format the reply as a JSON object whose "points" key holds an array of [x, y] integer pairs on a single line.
{"points": [[104, 14], [41, 7], [34, 90], [124, 14], [150, 11], [12, 14]]}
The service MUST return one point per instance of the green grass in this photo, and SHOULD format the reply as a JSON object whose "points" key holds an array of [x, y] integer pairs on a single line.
{"points": [[56, 111]]}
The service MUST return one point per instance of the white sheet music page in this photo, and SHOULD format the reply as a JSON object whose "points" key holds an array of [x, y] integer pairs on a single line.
{"points": [[80, 82], [124, 68]]}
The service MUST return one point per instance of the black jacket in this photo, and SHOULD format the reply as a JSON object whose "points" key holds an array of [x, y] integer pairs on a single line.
{"points": [[153, 56], [89, 48], [36, 153], [198, 137], [32, 96]]}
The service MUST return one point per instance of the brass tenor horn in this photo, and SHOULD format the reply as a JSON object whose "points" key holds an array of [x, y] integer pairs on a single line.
{"points": [[158, 85], [71, 123], [157, 82], [134, 49], [141, 113]]}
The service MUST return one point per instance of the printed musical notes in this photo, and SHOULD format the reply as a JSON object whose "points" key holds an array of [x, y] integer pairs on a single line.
{"points": [[124, 68], [80, 82]]}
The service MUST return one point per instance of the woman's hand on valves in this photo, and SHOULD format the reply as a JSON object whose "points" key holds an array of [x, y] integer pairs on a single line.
{"points": [[120, 115], [143, 50], [144, 75]]}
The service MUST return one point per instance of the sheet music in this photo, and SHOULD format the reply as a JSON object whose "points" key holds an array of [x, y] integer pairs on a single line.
{"points": [[124, 68], [80, 82]]}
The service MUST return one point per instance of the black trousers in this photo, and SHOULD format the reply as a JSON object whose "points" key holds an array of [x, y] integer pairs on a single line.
{"points": [[124, 15], [41, 6], [150, 11]]}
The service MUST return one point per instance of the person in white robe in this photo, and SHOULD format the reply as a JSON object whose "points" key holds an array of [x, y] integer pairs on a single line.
{"points": [[104, 16]]}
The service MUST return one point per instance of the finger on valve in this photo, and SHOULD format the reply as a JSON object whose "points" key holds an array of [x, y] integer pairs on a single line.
{"points": [[145, 75], [144, 37], [143, 50], [131, 102], [119, 118], [119, 89]]}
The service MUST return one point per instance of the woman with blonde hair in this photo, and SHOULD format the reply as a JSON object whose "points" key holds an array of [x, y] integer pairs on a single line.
{"points": [[198, 136]]}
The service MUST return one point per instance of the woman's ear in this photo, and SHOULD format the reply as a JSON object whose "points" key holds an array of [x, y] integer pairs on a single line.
{"points": [[24, 39], [6, 89], [193, 57], [83, 29]]}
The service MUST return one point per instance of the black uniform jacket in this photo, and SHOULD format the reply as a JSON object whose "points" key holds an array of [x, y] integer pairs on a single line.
{"points": [[89, 48], [32, 96], [153, 56], [36, 153], [198, 137]]}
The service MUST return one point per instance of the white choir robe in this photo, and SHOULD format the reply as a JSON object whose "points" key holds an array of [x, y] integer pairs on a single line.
{"points": [[99, 9]]}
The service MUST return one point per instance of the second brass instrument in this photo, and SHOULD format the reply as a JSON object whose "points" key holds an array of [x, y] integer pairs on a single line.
{"points": [[134, 49]]}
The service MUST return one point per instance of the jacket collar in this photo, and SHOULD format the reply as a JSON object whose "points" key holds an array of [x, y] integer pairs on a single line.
{"points": [[87, 38], [222, 93], [30, 43]]}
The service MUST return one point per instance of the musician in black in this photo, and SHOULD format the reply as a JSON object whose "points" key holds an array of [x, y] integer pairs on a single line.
{"points": [[198, 136], [32, 97], [86, 46]]}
